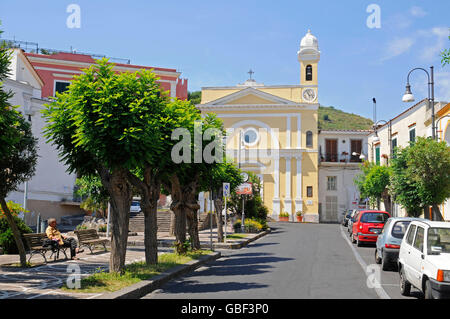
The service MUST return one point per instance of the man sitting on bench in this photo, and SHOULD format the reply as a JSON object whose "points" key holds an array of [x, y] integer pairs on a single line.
{"points": [[54, 234]]}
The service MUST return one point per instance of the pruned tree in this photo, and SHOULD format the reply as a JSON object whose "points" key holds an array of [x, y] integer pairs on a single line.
{"points": [[192, 159], [18, 151], [103, 125], [373, 182], [428, 164], [402, 187], [226, 172]]}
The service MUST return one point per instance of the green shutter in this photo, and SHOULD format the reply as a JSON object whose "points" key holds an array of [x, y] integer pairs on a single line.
{"points": [[377, 155]]}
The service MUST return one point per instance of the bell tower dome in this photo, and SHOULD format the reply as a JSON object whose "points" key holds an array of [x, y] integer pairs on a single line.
{"points": [[308, 56]]}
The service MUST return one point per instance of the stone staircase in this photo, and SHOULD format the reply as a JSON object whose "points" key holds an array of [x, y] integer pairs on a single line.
{"points": [[136, 223], [69, 223]]}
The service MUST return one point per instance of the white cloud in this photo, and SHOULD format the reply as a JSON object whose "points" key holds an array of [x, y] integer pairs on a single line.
{"points": [[430, 43], [436, 44], [417, 12], [397, 47]]}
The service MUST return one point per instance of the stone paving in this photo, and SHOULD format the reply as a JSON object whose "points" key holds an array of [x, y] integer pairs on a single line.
{"points": [[44, 280]]}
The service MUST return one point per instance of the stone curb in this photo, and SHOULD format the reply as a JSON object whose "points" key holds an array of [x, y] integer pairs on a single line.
{"points": [[145, 287], [234, 245], [239, 244]]}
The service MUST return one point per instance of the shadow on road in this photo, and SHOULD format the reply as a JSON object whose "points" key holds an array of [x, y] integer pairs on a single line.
{"points": [[263, 244], [198, 287]]}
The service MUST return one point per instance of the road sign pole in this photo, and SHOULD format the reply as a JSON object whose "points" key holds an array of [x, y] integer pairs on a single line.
{"points": [[243, 215], [226, 194], [225, 220]]}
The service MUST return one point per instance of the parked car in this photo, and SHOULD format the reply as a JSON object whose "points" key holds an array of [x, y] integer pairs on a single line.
{"points": [[350, 221], [424, 259], [367, 225], [135, 206], [347, 215], [389, 241]]}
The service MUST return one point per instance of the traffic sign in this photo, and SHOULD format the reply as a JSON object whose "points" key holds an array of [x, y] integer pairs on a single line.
{"points": [[244, 189], [226, 189]]}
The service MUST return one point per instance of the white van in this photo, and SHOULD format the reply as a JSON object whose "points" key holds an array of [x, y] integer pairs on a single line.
{"points": [[424, 259]]}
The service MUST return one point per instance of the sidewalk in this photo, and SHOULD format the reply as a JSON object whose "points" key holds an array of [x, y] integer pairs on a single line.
{"points": [[44, 280]]}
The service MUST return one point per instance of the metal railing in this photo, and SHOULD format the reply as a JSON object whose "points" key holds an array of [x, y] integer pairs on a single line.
{"points": [[33, 47], [339, 158]]}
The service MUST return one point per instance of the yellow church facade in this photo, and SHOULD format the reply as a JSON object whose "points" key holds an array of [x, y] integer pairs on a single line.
{"points": [[272, 131]]}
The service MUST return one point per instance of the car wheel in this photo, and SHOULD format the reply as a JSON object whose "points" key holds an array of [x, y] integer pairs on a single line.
{"points": [[384, 262], [377, 257], [358, 242], [427, 291], [353, 239], [405, 286]]}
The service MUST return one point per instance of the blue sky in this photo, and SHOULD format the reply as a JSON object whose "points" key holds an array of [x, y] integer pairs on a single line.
{"points": [[214, 43]]}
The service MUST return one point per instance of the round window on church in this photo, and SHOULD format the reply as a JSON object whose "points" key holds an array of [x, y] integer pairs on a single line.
{"points": [[251, 136]]}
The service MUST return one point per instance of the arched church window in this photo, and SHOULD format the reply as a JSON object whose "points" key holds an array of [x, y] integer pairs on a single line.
{"points": [[309, 73], [309, 139]]}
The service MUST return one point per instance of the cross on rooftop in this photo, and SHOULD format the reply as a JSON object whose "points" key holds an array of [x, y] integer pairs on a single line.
{"points": [[251, 73]]}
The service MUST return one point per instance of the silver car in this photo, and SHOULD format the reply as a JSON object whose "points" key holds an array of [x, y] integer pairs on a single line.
{"points": [[350, 222], [389, 241]]}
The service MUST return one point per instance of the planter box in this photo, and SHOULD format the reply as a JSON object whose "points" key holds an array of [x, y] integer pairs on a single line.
{"points": [[283, 219]]}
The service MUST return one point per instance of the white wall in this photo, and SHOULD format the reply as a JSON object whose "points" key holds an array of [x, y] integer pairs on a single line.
{"points": [[51, 181]]}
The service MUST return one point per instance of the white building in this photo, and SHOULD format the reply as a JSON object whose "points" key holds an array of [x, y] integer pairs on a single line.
{"points": [[406, 127], [50, 191], [338, 168]]}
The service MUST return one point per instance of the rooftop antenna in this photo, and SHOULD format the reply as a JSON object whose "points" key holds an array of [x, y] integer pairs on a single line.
{"points": [[374, 110]]}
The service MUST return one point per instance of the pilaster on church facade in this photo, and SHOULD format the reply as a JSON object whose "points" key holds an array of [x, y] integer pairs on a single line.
{"points": [[272, 132]]}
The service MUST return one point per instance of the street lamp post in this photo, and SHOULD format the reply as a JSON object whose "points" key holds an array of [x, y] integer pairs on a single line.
{"points": [[25, 186], [409, 97]]}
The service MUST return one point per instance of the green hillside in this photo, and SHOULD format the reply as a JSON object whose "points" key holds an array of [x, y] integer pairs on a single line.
{"points": [[334, 119]]}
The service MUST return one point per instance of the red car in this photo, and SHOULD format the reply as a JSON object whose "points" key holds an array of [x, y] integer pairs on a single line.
{"points": [[367, 225]]}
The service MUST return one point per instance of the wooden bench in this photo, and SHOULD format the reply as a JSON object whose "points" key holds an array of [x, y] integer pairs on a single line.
{"points": [[35, 246], [90, 238]]}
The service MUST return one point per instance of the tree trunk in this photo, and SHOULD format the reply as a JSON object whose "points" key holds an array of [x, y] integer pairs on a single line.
{"points": [[218, 204], [16, 233], [121, 196], [387, 202], [183, 200], [192, 221], [149, 189], [437, 216]]}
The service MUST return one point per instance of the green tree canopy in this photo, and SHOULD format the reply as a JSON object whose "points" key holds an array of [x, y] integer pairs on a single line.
{"points": [[18, 150], [429, 167], [104, 124], [402, 187]]}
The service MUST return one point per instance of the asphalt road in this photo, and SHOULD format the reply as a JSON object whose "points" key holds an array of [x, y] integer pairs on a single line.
{"points": [[388, 279], [293, 261]]}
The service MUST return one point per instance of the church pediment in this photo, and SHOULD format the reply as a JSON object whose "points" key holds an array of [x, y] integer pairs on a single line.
{"points": [[250, 96]]}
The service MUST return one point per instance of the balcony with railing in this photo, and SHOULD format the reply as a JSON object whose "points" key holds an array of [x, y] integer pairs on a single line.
{"points": [[342, 158]]}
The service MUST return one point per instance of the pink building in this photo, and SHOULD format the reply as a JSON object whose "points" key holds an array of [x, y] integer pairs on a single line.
{"points": [[57, 70]]}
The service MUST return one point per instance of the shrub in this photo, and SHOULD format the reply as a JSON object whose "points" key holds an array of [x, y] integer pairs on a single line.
{"points": [[284, 214], [251, 226], [7, 241], [102, 228], [81, 227]]}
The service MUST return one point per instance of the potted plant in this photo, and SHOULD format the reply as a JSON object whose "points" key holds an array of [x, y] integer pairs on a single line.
{"points": [[299, 216], [284, 217]]}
